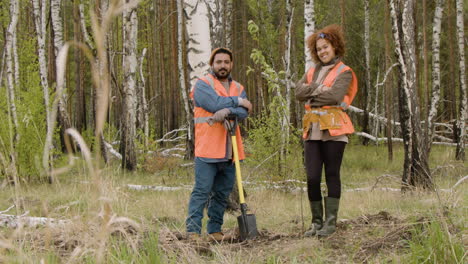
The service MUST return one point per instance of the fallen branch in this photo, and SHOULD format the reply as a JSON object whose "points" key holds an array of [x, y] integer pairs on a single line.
{"points": [[375, 139], [15, 221]]}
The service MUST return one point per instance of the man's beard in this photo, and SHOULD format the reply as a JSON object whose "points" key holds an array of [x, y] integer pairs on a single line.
{"points": [[223, 75]]}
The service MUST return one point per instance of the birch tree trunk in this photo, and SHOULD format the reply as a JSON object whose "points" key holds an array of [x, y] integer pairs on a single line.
{"points": [[461, 122], [309, 28], [129, 60], [11, 83], [199, 40], [287, 61], [63, 117], [39, 10], [436, 30], [416, 169], [142, 108], [227, 22], [216, 22], [183, 81], [367, 86], [388, 84]]}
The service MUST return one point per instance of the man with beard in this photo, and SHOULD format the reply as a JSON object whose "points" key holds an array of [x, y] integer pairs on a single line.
{"points": [[215, 96]]}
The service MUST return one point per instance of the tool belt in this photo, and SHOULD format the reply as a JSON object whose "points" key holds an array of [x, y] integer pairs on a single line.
{"points": [[328, 118]]}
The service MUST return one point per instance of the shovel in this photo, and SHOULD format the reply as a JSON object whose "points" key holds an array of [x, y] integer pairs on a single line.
{"points": [[247, 222]]}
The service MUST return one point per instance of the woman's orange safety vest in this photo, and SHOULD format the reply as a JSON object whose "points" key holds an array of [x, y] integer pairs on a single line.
{"points": [[346, 126], [210, 141]]}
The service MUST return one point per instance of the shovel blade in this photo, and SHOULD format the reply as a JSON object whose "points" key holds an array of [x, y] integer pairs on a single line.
{"points": [[247, 226]]}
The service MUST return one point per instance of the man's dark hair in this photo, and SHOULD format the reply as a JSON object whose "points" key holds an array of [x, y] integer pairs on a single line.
{"points": [[220, 50]]}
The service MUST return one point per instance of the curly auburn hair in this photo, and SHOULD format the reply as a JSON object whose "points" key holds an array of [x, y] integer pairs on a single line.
{"points": [[334, 34]]}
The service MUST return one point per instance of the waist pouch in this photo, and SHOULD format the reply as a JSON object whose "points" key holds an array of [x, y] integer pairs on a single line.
{"points": [[329, 118]]}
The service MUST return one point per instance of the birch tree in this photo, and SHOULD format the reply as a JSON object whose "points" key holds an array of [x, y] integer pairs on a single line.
{"points": [[182, 80], [57, 24], [199, 40], [367, 86], [10, 76], [217, 22], [436, 30], [309, 28], [285, 123], [461, 122], [415, 169], [129, 66]]}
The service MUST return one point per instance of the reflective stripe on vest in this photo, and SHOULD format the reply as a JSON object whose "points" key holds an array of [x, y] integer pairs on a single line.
{"points": [[347, 125], [210, 141]]}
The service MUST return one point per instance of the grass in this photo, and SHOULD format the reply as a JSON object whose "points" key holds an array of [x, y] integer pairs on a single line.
{"points": [[113, 224]]}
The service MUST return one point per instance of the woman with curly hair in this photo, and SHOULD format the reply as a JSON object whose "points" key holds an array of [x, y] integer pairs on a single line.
{"points": [[326, 89]]}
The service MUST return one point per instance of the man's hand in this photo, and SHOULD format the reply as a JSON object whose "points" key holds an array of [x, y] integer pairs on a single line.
{"points": [[219, 116], [245, 103]]}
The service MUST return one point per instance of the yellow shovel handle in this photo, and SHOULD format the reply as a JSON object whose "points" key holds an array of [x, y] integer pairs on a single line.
{"points": [[238, 169]]}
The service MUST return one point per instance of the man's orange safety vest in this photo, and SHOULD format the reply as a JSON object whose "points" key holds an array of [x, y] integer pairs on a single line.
{"points": [[210, 141], [346, 126]]}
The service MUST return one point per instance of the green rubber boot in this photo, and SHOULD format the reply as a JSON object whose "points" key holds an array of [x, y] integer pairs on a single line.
{"points": [[331, 214], [316, 207]]}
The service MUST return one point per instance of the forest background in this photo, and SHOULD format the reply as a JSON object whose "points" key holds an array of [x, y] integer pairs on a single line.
{"points": [[114, 76]]}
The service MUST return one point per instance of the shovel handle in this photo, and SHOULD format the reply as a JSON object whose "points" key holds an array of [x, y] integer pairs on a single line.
{"points": [[231, 121]]}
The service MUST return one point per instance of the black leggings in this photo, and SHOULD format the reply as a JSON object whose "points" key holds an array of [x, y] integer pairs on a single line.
{"points": [[318, 153]]}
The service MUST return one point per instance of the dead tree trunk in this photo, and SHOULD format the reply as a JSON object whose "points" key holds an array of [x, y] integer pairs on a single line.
{"points": [[416, 168]]}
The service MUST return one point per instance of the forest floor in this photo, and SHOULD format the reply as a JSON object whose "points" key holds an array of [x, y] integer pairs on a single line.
{"points": [[106, 220]]}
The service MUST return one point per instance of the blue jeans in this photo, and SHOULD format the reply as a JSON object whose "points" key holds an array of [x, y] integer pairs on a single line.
{"points": [[213, 184]]}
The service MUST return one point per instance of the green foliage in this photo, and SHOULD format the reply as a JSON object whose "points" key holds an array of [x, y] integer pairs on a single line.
{"points": [[433, 243], [149, 251]]}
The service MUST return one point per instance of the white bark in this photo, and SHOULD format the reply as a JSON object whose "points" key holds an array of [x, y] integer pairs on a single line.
{"points": [[143, 104], [228, 23], [130, 64], [10, 44], [404, 76], [309, 28], [83, 27], [182, 70], [39, 10], [287, 61], [216, 21], [461, 123], [368, 95], [436, 30], [199, 41]]}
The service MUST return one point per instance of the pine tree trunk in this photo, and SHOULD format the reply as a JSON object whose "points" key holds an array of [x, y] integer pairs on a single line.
{"points": [[461, 122], [129, 60], [309, 28], [415, 169], [435, 98]]}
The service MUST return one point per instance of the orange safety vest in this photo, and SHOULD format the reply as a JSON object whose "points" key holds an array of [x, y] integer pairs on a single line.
{"points": [[346, 126], [210, 141]]}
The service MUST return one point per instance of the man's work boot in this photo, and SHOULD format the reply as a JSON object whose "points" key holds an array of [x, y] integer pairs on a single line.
{"points": [[219, 237], [194, 237], [316, 207], [331, 214]]}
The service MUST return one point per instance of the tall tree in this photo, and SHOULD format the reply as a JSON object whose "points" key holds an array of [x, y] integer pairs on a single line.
{"points": [[367, 86], [434, 102], [415, 169], [11, 84], [309, 28], [57, 25], [461, 122], [127, 143], [183, 81], [199, 40], [388, 83]]}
